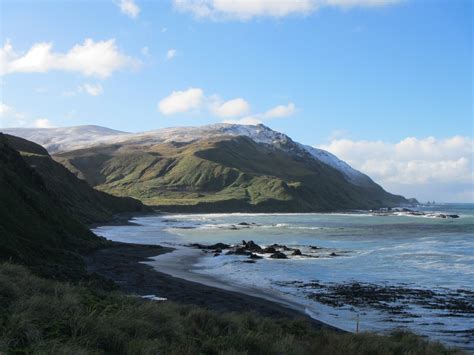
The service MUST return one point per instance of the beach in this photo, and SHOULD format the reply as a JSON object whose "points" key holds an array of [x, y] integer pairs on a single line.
{"points": [[127, 265]]}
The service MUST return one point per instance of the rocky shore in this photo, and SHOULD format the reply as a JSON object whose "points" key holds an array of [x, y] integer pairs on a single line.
{"points": [[123, 264]]}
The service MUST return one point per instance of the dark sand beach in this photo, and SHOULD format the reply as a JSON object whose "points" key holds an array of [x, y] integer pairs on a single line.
{"points": [[123, 263]]}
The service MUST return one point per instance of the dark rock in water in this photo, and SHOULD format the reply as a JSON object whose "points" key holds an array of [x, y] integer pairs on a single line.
{"points": [[314, 247], [217, 254], [278, 246], [278, 255], [213, 246], [296, 252], [453, 216], [241, 251], [219, 246], [250, 245], [333, 254], [255, 256], [243, 224], [218, 251], [249, 261], [269, 250]]}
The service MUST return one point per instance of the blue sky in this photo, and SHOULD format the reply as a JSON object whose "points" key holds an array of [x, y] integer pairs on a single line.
{"points": [[323, 71]]}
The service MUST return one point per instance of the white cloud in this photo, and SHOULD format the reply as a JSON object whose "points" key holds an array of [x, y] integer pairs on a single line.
{"points": [[245, 121], [231, 108], [427, 168], [93, 90], [181, 101], [170, 54], [5, 109], [275, 112], [280, 111], [246, 9], [129, 8], [99, 59], [43, 123], [10, 117], [231, 111]]}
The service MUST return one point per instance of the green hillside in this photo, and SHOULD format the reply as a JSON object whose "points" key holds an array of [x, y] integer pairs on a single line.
{"points": [[34, 228], [224, 173], [76, 196]]}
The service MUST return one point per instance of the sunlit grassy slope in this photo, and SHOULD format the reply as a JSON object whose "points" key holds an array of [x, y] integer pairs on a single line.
{"points": [[224, 173]]}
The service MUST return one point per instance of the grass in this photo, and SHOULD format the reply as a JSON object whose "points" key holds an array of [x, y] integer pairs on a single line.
{"points": [[45, 316], [234, 173]]}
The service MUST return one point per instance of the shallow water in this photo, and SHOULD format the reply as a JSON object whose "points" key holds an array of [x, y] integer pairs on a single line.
{"points": [[408, 252]]}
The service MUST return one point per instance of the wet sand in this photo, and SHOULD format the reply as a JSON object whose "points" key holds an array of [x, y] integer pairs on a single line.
{"points": [[130, 267]]}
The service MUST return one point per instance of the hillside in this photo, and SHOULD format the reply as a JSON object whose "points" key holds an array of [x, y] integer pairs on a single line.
{"points": [[35, 230], [74, 195], [232, 173]]}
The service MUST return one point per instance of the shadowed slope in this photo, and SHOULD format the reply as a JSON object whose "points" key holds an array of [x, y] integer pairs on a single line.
{"points": [[34, 228], [76, 196]]}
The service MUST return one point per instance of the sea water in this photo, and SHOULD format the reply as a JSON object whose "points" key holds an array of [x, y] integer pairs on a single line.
{"points": [[421, 253]]}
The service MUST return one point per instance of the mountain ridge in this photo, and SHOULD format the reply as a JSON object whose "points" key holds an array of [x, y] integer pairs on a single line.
{"points": [[89, 136], [214, 167]]}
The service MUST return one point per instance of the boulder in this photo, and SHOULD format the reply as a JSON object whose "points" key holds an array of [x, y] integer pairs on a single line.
{"points": [[296, 252], [278, 255]]}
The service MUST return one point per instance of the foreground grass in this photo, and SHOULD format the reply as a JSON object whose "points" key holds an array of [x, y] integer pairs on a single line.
{"points": [[44, 316]]}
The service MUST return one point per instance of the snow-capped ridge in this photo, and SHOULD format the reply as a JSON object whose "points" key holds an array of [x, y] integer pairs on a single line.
{"points": [[63, 139]]}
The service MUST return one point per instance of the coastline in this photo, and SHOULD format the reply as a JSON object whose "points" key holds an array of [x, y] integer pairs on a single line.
{"points": [[129, 266]]}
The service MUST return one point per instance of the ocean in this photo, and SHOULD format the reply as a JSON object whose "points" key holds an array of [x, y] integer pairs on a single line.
{"points": [[358, 270]]}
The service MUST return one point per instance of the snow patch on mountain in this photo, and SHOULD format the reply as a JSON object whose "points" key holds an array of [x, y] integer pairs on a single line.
{"points": [[70, 138]]}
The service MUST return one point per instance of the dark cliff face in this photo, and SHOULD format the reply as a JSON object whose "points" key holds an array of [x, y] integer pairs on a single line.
{"points": [[34, 229], [76, 197], [221, 174], [42, 210]]}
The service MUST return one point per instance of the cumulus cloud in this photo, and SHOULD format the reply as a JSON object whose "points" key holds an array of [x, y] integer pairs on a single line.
{"points": [[427, 168], [181, 101], [231, 108], [232, 111], [245, 9], [129, 8], [275, 112], [5, 109], [9, 116], [99, 59], [280, 111], [43, 123], [170, 54]]}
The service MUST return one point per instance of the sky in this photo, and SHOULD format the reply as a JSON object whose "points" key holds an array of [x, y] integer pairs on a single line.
{"points": [[386, 85]]}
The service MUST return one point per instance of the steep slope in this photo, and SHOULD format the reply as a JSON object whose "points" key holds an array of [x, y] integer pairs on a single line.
{"points": [[232, 173], [34, 229], [75, 196], [58, 140]]}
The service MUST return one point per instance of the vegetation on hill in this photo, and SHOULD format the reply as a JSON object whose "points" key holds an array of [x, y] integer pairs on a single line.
{"points": [[34, 228], [74, 195], [224, 173], [43, 316]]}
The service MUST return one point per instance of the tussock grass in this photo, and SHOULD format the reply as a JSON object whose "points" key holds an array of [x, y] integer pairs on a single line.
{"points": [[44, 316]]}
